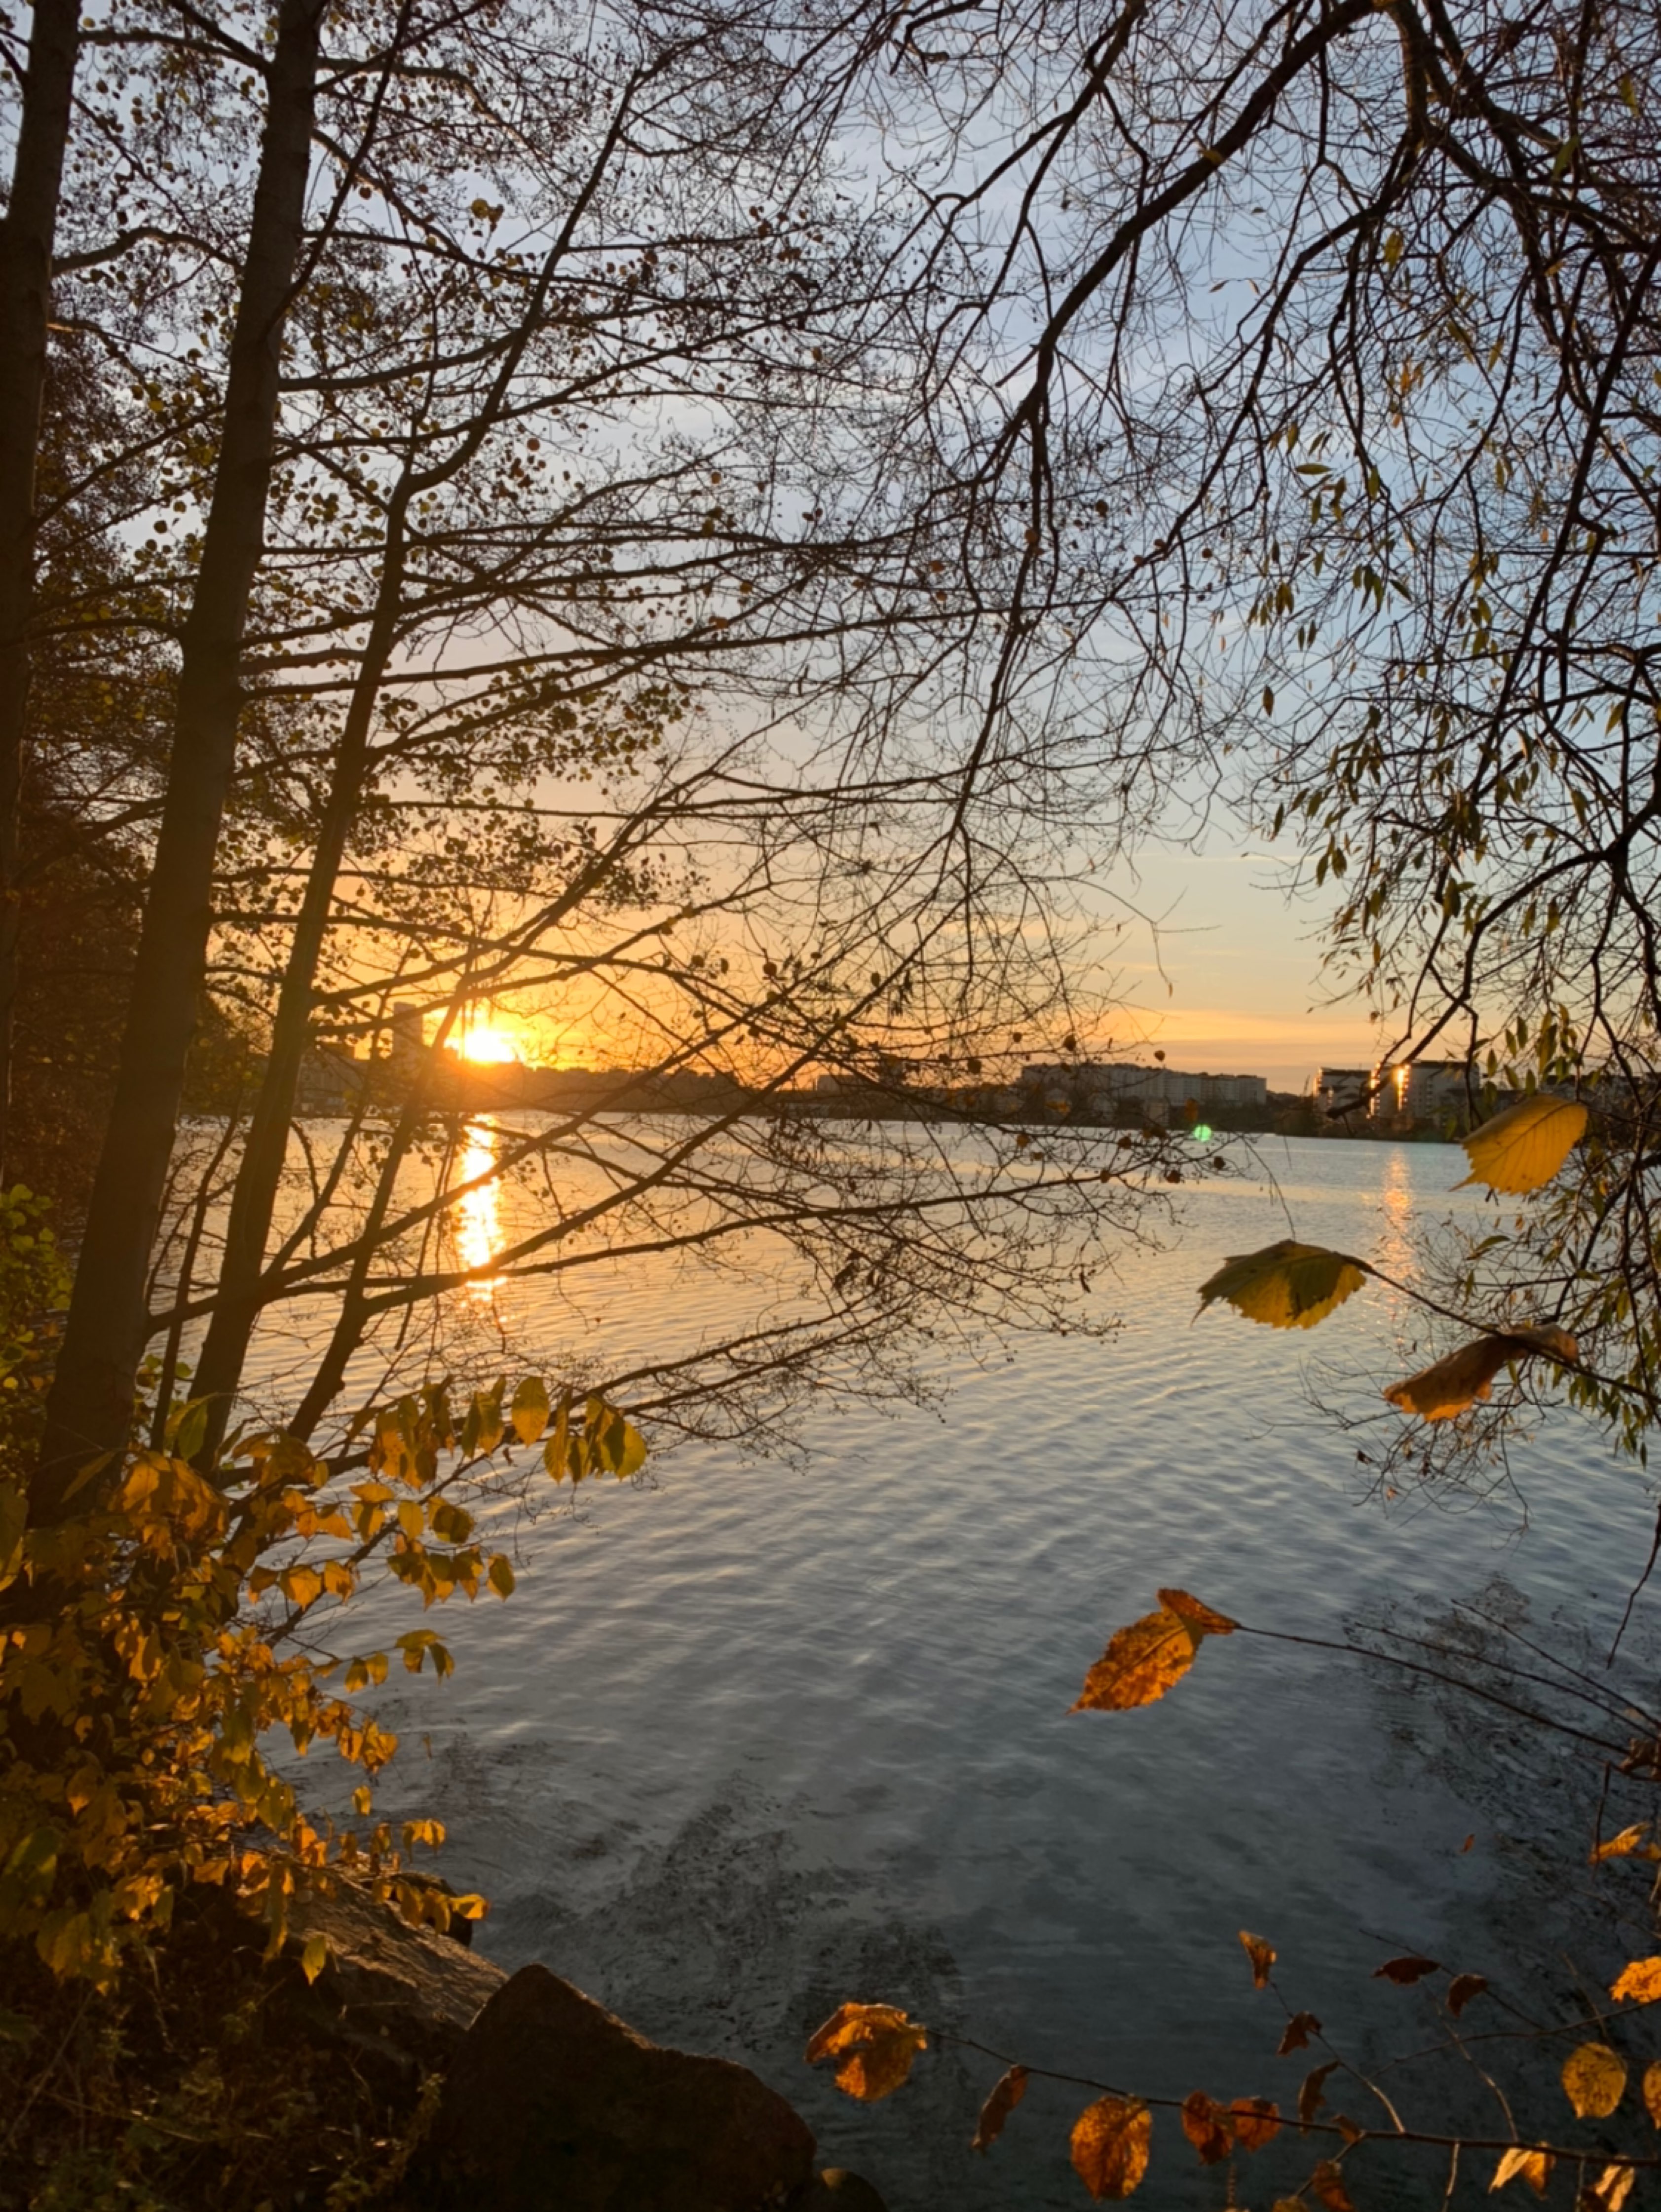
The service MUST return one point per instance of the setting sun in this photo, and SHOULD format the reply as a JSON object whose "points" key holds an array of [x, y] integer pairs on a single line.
{"points": [[489, 1046]]}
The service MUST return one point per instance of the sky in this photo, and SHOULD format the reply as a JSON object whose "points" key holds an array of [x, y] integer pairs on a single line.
{"points": [[1230, 982]]}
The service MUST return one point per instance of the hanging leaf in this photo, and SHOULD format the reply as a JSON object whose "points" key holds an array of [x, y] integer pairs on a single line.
{"points": [[873, 2045], [1262, 1956], [1639, 1982], [1629, 1842], [1140, 1664], [1327, 2182], [1111, 2140], [1406, 1971], [1440, 1393], [1594, 2079], [1653, 2090], [1298, 2029], [1462, 1989], [530, 1409], [1254, 2122], [1611, 2189], [1205, 2124], [314, 1956], [1200, 1617], [1313, 2095], [1524, 1147], [1007, 2093], [1533, 2167], [1286, 1286]]}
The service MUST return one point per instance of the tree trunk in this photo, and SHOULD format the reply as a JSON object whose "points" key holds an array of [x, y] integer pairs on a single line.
{"points": [[27, 239], [236, 1308], [91, 1407]]}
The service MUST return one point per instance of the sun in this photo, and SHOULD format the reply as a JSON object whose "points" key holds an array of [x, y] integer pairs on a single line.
{"points": [[489, 1046]]}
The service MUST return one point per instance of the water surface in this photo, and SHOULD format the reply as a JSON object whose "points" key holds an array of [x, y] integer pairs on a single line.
{"points": [[753, 1739]]}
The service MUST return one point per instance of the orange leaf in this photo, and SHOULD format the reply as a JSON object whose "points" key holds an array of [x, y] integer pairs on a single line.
{"points": [[1594, 2079], [1205, 2124], [874, 2046], [1007, 2093], [1255, 2122], [1298, 2029], [1621, 1846], [1440, 1393], [1639, 1982], [1140, 1664], [1313, 2095], [1406, 1971], [1200, 1617], [1110, 2145], [1611, 2189], [1327, 2182], [1653, 2090], [1462, 1989], [1533, 2165], [1262, 1956]]}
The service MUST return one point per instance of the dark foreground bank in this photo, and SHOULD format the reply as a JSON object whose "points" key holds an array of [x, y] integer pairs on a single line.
{"points": [[411, 2075]]}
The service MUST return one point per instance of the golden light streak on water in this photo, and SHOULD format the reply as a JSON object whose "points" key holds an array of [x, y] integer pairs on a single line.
{"points": [[478, 1214]]}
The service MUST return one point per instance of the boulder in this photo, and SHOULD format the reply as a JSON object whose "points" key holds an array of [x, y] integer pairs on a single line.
{"points": [[398, 1999], [837, 2191], [550, 2104]]}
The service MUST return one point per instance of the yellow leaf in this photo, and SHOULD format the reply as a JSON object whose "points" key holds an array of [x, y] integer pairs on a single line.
{"points": [[1621, 1846], [502, 1576], [1533, 2165], [1287, 1285], [1110, 2145], [1262, 1956], [1523, 1147], [874, 2046], [1639, 1982], [1611, 2189], [315, 1957], [1653, 2090], [1594, 2078], [1200, 1618], [1140, 1664], [530, 1409], [1453, 1384], [300, 1585], [1007, 2093]]}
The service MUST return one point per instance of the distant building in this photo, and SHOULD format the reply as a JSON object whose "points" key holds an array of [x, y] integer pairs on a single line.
{"points": [[330, 1083], [1336, 1089], [1425, 1089], [409, 1041], [1098, 1084]]}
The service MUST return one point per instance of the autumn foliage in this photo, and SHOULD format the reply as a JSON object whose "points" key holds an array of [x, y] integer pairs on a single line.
{"points": [[155, 1640]]}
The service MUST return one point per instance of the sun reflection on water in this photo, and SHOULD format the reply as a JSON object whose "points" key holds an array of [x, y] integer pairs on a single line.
{"points": [[478, 1212]]}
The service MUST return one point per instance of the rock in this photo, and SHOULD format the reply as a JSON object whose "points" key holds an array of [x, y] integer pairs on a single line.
{"points": [[838, 2190], [398, 1999], [551, 2104]]}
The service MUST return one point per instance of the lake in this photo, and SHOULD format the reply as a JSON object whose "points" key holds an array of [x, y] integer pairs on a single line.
{"points": [[753, 1738]]}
